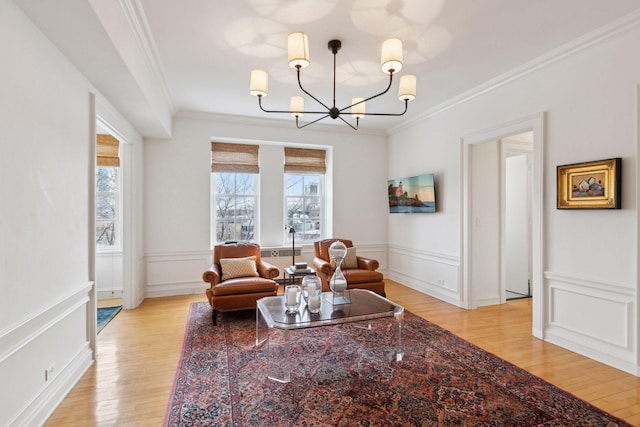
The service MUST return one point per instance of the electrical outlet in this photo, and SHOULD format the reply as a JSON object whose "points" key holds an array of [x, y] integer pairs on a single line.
{"points": [[275, 253], [48, 373]]}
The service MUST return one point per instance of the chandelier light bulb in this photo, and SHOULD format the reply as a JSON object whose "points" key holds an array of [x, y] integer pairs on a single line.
{"points": [[407, 88], [298, 50], [296, 106], [259, 85], [391, 57], [357, 111]]}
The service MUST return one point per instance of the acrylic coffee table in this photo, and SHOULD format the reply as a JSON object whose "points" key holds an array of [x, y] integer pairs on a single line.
{"points": [[272, 319]]}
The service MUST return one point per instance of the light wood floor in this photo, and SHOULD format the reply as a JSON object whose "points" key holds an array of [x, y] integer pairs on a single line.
{"points": [[138, 354]]}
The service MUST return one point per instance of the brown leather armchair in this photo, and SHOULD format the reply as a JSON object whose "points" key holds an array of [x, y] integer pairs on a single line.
{"points": [[364, 276], [238, 293]]}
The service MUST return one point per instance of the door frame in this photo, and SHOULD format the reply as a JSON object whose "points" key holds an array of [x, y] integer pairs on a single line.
{"points": [[535, 124]]}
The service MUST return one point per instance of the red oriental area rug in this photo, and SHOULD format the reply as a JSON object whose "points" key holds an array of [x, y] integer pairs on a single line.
{"points": [[345, 376]]}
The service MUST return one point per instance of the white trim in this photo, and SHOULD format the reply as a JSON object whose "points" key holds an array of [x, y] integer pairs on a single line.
{"points": [[533, 123], [137, 20], [272, 122], [15, 337], [50, 396], [620, 352], [571, 48], [432, 284]]}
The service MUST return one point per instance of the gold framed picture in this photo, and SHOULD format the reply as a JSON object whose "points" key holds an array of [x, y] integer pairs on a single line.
{"points": [[590, 185]]}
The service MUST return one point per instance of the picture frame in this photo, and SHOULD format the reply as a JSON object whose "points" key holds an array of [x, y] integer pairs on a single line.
{"points": [[590, 185]]}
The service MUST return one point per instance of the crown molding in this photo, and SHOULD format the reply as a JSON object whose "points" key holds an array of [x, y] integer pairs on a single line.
{"points": [[566, 50], [274, 123], [137, 20]]}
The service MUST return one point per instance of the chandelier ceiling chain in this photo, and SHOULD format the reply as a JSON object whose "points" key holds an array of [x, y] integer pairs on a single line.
{"points": [[298, 52]]}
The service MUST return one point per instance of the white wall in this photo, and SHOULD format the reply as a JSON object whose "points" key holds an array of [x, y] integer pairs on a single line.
{"points": [[109, 274], [589, 96], [44, 182], [47, 298], [177, 192]]}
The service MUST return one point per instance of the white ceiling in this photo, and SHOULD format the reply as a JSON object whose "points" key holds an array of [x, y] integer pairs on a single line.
{"points": [[153, 58]]}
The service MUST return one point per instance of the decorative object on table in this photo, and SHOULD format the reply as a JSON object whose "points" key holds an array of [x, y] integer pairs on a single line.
{"points": [[298, 52], [590, 185], [416, 194], [364, 276], [312, 293], [292, 294], [232, 290], [338, 283]]}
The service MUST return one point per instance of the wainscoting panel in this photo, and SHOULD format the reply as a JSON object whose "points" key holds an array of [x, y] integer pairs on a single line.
{"points": [[176, 273], [180, 273], [54, 346], [434, 274], [595, 319]]}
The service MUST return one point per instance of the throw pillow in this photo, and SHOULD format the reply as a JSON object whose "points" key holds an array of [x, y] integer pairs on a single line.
{"points": [[350, 259], [238, 267]]}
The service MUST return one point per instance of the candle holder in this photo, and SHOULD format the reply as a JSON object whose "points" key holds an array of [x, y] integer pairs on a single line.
{"points": [[292, 294], [312, 293]]}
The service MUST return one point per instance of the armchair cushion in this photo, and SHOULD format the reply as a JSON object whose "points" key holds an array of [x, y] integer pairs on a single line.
{"points": [[238, 267], [350, 259]]}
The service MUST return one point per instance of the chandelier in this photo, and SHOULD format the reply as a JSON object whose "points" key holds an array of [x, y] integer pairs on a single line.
{"points": [[298, 52]]}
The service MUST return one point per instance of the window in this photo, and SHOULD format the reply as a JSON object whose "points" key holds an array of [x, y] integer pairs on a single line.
{"points": [[107, 192], [234, 206], [304, 196], [234, 182], [304, 205], [107, 207]]}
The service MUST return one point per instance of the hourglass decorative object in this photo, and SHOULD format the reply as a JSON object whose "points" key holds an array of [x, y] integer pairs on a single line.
{"points": [[338, 283]]}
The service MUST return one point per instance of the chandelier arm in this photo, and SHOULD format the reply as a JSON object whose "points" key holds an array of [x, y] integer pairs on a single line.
{"points": [[305, 91], [286, 111], [406, 105], [350, 125], [310, 123], [373, 96]]}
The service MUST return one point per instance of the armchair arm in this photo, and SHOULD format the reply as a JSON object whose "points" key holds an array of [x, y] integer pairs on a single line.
{"points": [[212, 275], [266, 270], [367, 264], [323, 268]]}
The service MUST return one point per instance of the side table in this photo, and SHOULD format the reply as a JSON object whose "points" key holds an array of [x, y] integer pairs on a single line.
{"points": [[291, 274]]}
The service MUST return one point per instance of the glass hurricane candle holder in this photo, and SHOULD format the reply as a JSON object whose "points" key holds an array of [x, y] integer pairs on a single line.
{"points": [[312, 292], [292, 296]]}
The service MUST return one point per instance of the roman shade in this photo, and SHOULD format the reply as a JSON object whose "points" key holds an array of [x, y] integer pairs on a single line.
{"points": [[304, 160], [237, 158], [107, 151]]}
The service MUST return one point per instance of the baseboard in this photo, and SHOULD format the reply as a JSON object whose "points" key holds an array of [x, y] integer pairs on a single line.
{"points": [[109, 293], [41, 408]]}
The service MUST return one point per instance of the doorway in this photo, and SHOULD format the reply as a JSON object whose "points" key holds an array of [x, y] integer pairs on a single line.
{"points": [[474, 293], [516, 167]]}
